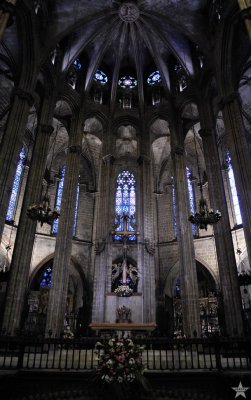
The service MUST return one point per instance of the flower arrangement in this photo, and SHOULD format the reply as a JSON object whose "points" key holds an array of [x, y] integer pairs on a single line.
{"points": [[123, 291], [119, 360]]}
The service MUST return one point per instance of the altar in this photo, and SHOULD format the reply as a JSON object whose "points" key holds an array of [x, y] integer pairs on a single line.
{"points": [[132, 328]]}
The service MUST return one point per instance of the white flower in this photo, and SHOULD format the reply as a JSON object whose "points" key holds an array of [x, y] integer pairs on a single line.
{"points": [[109, 363]]}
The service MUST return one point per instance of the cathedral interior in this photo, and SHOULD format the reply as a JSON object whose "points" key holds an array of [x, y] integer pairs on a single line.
{"points": [[125, 185]]}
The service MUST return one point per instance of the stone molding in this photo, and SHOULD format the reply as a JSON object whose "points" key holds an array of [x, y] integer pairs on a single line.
{"points": [[150, 246], [230, 98], [100, 246], [246, 13], [7, 8], [22, 94], [108, 159]]}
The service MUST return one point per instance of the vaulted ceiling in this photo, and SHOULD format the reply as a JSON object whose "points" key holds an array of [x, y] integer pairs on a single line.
{"points": [[133, 37]]}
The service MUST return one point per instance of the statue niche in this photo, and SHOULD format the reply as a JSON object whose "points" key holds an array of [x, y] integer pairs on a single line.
{"points": [[124, 273]]}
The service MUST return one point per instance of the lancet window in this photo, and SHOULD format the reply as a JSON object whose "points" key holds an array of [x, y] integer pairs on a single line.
{"points": [[191, 196], [233, 190], [16, 186], [125, 200], [59, 201], [174, 208]]}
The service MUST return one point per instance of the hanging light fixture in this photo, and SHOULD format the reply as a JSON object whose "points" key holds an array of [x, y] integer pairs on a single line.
{"points": [[204, 216], [42, 212]]}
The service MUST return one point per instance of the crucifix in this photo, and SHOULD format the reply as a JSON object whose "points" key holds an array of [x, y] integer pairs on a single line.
{"points": [[125, 234]]}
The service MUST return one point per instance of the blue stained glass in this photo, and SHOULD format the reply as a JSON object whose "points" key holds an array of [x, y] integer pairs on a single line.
{"points": [[77, 64], [174, 208], [125, 199], [59, 197], [16, 187], [59, 201], [191, 196], [233, 189], [154, 78], [76, 213], [46, 277], [127, 82], [100, 77]]}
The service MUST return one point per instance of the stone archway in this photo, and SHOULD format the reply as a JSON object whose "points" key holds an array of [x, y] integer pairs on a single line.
{"points": [[38, 297], [172, 307]]}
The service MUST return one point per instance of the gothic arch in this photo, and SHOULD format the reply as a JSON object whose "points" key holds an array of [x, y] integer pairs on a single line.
{"points": [[174, 272]]}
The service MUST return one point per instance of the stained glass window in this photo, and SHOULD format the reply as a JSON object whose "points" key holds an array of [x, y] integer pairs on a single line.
{"points": [[46, 276], [233, 190], [174, 209], [125, 199], [127, 82], [154, 78], [100, 77], [76, 213], [16, 187], [77, 64], [191, 196], [59, 200]]}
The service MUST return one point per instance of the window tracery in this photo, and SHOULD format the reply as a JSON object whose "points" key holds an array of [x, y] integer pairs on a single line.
{"points": [[100, 77], [127, 82], [125, 200], [154, 78]]}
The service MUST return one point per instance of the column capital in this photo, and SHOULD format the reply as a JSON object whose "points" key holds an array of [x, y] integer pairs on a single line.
{"points": [[245, 13], [75, 148], [7, 7], [177, 150], [228, 99], [47, 129], [22, 94]]}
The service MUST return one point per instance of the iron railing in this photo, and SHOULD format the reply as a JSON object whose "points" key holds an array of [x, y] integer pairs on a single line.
{"points": [[159, 354]]}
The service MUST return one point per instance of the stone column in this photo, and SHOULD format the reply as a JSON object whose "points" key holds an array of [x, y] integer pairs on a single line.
{"points": [[7, 10], [20, 264], [10, 148], [62, 256], [103, 255], [189, 284], [237, 143], [146, 229], [223, 238]]}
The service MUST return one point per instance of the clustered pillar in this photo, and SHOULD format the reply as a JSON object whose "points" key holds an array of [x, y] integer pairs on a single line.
{"points": [[240, 156], [62, 257], [20, 265], [188, 274], [11, 146], [232, 315]]}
